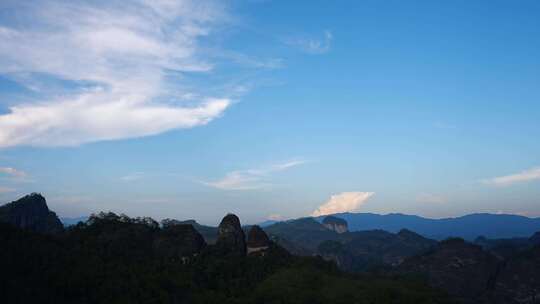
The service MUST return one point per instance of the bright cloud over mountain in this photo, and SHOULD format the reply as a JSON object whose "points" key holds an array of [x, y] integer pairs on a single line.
{"points": [[343, 202]]}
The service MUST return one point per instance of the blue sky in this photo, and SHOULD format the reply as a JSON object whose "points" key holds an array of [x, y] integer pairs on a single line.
{"points": [[271, 109]]}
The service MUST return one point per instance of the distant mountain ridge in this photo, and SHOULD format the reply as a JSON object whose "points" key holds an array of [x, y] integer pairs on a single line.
{"points": [[468, 227], [70, 221], [352, 251], [494, 271]]}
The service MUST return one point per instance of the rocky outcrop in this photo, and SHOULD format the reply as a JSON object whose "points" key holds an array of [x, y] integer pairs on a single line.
{"points": [[462, 269], [231, 239], [519, 280], [473, 275], [31, 212], [359, 250], [179, 241], [335, 224], [337, 252], [208, 233], [257, 242]]}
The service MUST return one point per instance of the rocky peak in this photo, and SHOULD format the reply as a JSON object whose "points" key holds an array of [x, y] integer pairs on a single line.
{"points": [[31, 212], [179, 241], [231, 238], [335, 224], [331, 250], [257, 240]]}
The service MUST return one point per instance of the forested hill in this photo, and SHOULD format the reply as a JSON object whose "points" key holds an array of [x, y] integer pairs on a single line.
{"points": [[117, 259]]}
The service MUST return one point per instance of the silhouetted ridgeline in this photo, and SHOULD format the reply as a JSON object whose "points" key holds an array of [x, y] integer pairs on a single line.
{"points": [[116, 259]]}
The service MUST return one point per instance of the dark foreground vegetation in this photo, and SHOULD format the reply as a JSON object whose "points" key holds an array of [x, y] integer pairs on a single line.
{"points": [[117, 259], [113, 259]]}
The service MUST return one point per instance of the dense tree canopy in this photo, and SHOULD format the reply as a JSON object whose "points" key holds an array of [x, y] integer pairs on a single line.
{"points": [[117, 259]]}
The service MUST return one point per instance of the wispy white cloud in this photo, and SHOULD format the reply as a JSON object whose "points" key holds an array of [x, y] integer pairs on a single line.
{"points": [[343, 202], [239, 180], [132, 177], [253, 178], [250, 61], [71, 199], [313, 45], [430, 198], [6, 190], [121, 62], [275, 217], [12, 172], [155, 200], [519, 213], [286, 165], [524, 176]]}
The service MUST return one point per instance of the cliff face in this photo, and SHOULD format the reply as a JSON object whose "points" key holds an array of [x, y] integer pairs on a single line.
{"points": [[335, 224], [473, 275], [179, 241], [257, 241], [337, 252], [365, 250], [31, 212], [231, 238]]}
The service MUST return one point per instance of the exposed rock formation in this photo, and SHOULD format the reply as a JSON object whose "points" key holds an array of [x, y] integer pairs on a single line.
{"points": [[31, 212], [372, 249], [304, 234], [337, 252], [357, 251], [231, 238], [462, 269], [335, 224], [208, 233], [257, 241], [179, 241], [519, 279]]}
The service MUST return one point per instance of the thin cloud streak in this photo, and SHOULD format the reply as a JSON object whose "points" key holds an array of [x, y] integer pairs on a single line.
{"points": [[13, 172], [521, 177], [275, 217], [6, 190], [251, 179], [132, 177], [312, 45], [430, 198]]}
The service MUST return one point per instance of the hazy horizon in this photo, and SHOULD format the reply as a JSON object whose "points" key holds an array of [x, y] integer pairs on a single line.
{"points": [[271, 110]]}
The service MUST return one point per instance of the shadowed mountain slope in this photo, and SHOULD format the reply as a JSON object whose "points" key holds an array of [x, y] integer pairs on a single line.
{"points": [[31, 212]]}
